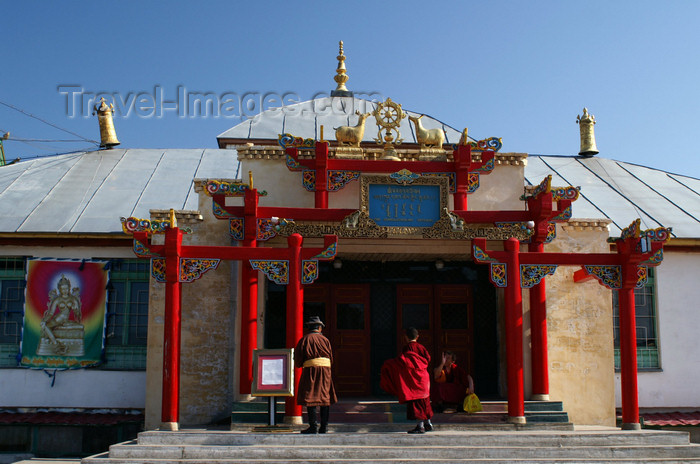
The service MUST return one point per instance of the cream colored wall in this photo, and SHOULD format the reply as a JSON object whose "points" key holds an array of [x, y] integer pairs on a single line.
{"points": [[499, 190], [283, 187], [580, 335], [154, 360]]}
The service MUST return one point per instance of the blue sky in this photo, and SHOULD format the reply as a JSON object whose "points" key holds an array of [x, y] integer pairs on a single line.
{"points": [[518, 70]]}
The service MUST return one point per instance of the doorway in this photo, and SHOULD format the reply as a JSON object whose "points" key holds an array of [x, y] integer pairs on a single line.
{"points": [[345, 310], [443, 315], [366, 305]]}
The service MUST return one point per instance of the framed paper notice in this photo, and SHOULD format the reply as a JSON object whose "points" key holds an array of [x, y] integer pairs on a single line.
{"points": [[273, 372]]}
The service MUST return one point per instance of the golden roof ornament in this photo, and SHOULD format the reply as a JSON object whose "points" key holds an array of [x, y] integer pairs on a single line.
{"points": [[388, 116], [341, 76], [586, 123], [108, 136]]}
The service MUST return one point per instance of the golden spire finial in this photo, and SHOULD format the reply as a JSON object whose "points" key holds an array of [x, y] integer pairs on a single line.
{"points": [[108, 136], [250, 180], [586, 123], [341, 76]]}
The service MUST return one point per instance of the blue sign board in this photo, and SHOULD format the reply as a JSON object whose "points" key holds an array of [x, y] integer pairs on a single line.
{"points": [[404, 205]]}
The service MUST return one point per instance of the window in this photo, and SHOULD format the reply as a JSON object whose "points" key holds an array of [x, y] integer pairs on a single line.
{"points": [[127, 315], [12, 284], [645, 313]]}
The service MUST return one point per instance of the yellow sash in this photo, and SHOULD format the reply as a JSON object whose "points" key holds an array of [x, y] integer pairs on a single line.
{"points": [[317, 362]]}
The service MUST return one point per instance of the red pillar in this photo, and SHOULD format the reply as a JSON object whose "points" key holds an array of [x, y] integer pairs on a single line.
{"points": [[295, 315], [463, 158], [170, 410], [249, 295], [514, 335], [628, 360], [249, 325], [538, 323], [321, 186]]}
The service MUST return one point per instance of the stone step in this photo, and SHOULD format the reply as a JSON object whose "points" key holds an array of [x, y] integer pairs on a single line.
{"points": [[450, 446], [420, 449], [103, 460], [392, 411], [606, 437]]}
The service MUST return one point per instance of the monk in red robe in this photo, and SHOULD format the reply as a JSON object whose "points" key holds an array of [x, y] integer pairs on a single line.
{"points": [[314, 355], [451, 384], [408, 378]]}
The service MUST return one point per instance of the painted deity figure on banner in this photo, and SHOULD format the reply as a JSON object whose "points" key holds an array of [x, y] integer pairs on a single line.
{"points": [[61, 335]]}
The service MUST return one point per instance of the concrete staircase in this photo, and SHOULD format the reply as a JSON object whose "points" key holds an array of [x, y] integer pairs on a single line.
{"points": [[445, 445], [391, 412]]}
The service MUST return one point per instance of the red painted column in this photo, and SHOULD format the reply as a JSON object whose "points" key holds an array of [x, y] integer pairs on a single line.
{"points": [[170, 410], [249, 295], [538, 323], [514, 335], [463, 157], [321, 186], [249, 325], [628, 360], [295, 315]]}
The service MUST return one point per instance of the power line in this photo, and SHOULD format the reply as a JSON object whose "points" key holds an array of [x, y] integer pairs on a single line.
{"points": [[47, 122], [15, 139]]}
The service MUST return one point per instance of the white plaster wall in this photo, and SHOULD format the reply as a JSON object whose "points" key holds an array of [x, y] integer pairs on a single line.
{"points": [[678, 322], [79, 388]]}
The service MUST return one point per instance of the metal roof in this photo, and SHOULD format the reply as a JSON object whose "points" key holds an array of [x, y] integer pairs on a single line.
{"points": [[306, 118], [623, 192], [87, 192]]}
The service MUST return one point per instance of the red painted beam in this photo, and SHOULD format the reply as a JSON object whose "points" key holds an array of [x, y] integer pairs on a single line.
{"points": [[244, 253], [582, 275], [384, 166]]}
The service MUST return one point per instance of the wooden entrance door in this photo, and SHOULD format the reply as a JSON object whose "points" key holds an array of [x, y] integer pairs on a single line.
{"points": [[443, 316], [344, 308]]}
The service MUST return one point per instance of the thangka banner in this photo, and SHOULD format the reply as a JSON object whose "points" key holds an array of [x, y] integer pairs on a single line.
{"points": [[64, 313]]}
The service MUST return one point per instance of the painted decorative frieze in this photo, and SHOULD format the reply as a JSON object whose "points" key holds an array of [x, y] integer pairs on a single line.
{"points": [[275, 270], [531, 275]]}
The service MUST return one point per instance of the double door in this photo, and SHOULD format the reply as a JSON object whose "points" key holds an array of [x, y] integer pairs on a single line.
{"points": [[344, 308], [443, 315]]}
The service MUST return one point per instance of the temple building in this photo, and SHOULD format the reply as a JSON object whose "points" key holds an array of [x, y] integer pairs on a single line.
{"points": [[566, 278]]}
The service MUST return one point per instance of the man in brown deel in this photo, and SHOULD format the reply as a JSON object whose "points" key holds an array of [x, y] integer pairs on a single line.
{"points": [[314, 355]]}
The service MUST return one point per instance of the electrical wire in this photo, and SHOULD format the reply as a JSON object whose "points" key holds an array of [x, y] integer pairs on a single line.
{"points": [[47, 122], [15, 139]]}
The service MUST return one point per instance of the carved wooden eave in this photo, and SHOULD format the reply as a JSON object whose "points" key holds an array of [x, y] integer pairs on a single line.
{"points": [[586, 224], [200, 184], [275, 152], [184, 217], [362, 226]]}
